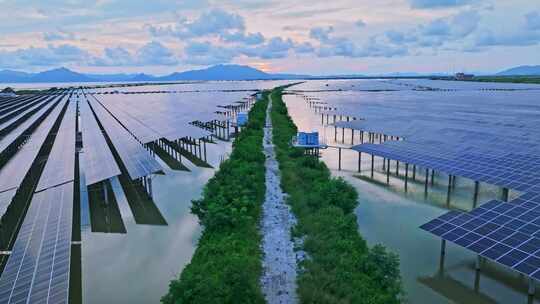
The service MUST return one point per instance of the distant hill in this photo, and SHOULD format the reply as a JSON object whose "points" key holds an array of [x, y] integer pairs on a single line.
{"points": [[56, 75], [60, 75], [217, 72], [524, 70]]}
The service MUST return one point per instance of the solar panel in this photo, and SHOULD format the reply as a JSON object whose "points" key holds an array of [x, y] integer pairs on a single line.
{"points": [[14, 171], [61, 162], [135, 157], [23, 128], [503, 232], [37, 271], [98, 160]]}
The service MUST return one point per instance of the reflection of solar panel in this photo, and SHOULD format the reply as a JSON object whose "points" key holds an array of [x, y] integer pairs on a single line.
{"points": [[60, 165], [135, 157], [38, 268], [98, 160]]}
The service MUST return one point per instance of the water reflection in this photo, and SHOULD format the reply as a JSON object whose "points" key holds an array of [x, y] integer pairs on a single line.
{"points": [[136, 267], [390, 216]]}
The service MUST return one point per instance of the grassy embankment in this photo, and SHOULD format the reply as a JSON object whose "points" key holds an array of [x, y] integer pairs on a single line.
{"points": [[226, 266], [341, 268], [510, 79]]}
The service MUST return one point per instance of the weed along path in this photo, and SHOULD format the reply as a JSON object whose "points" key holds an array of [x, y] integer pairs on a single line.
{"points": [[278, 280]]}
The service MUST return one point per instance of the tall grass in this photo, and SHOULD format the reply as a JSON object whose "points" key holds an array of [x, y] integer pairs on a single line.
{"points": [[226, 265], [340, 267]]}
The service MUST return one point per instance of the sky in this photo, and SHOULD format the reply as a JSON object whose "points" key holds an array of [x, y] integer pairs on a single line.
{"points": [[317, 37]]}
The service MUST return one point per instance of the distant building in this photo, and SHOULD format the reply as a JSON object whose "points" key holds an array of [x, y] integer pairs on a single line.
{"points": [[8, 92], [463, 76]]}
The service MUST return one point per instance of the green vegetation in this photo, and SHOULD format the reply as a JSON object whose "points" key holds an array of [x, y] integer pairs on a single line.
{"points": [[340, 267], [511, 79], [226, 266]]}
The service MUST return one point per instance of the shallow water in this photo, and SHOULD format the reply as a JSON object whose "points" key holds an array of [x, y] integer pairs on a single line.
{"points": [[136, 267], [390, 216]]}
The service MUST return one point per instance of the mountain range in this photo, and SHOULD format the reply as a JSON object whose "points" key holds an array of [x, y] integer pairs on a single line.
{"points": [[217, 72], [524, 70]]}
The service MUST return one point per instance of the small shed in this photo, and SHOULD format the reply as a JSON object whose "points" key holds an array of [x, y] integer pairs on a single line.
{"points": [[241, 119], [308, 140]]}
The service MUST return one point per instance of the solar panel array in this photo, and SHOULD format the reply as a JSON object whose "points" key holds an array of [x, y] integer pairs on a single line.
{"points": [[487, 132], [14, 171], [135, 157], [37, 270], [507, 233], [98, 159], [60, 166]]}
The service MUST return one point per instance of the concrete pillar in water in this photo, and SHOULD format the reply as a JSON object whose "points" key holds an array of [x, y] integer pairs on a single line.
{"points": [[359, 161], [443, 254], [372, 164], [426, 183], [388, 172], [504, 194], [150, 187], [339, 158], [475, 195], [406, 175], [449, 190], [105, 192]]}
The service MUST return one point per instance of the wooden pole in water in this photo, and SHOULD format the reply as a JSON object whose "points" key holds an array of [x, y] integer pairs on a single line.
{"points": [[352, 136], [397, 168], [414, 173]]}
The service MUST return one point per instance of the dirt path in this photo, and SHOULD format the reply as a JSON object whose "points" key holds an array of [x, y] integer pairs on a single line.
{"points": [[279, 263]]}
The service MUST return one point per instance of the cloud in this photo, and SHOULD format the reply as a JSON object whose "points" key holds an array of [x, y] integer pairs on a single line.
{"points": [[250, 38], [519, 38], [45, 56], [360, 23], [150, 54], [155, 53], [58, 35], [331, 45], [532, 20], [429, 4], [455, 27], [321, 34], [205, 53]]}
